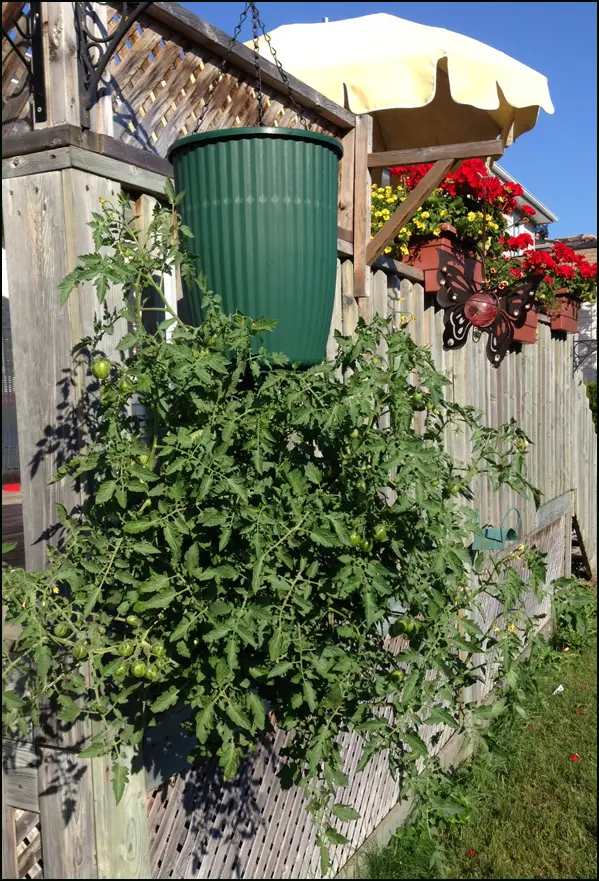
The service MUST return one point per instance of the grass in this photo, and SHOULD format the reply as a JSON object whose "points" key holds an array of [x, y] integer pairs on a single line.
{"points": [[534, 811]]}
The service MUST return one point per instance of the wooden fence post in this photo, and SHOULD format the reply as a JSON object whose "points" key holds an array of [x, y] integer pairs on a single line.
{"points": [[362, 187]]}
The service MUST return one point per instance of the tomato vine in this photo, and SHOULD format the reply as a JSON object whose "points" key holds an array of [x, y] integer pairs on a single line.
{"points": [[247, 544]]}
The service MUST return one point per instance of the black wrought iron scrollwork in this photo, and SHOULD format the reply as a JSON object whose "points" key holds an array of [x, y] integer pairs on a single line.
{"points": [[28, 45], [95, 51], [584, 350]]}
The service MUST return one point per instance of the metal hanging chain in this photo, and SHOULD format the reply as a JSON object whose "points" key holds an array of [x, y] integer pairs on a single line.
{"points": [[257, 26]]}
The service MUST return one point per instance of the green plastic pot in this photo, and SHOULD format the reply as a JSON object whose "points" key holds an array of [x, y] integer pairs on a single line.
{"points": [[262, 206]]}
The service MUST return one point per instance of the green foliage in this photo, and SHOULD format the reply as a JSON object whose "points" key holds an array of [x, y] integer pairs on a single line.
{"points": [[592, 396], [575, 610], [213, 565]]}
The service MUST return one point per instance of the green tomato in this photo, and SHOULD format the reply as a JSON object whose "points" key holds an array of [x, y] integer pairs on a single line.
{"points": [[159, 650], [355, 434], [132, 620], [365, 546], [380, 533], [143, 459], [397, 628], [355, 539], [418, 396], [120, 671], [398, 675], [139, 669], [152, 673], [126, 649], [61, 630], [453, 489], [80, 651], [126, 385], [361, 486], [434, 483], [101, 368]]}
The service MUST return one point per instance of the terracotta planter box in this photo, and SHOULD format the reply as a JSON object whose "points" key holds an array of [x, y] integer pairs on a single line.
{"points": [[566, 319], [528, 332], [429, 255]]}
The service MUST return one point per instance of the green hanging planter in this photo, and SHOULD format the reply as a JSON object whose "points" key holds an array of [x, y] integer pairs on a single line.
{"points": [[262, 205]]}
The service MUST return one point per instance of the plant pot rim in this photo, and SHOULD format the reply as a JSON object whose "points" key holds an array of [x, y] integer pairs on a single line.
{"points": [[231, 134]]}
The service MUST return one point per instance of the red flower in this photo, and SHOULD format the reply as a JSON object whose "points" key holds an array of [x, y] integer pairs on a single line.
{"points": [[532, 730], [527, 209], [580, 711], [549, 281], [517, 273], [566, 271], [574, 757], [471, 853]]}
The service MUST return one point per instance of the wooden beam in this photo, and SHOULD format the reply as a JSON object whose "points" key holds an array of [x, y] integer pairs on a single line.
{"points": [[185, 22], [407, 209], [362, 187], [345, 214], [472, 150]]}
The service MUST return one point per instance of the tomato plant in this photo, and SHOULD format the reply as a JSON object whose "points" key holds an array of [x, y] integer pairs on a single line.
{"points": [[228, 537]]}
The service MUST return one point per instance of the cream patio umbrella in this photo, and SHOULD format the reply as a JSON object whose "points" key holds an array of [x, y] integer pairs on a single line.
{"points": [[424, 86]]}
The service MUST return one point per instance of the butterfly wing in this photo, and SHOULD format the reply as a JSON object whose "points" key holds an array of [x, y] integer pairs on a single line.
{"points": [[501, 335], [455, 287], [456, 328], [516, 301]]}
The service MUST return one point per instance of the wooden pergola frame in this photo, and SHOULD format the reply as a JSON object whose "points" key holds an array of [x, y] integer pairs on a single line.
{"points": [[445, 158]]}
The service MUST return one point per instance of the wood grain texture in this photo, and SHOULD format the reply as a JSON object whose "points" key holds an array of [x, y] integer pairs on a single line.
{"points": [[66, 815], [362, 198], [122, 840], [33, 213], [473, 149], [19, 773], [62, 74], [9, 838]]}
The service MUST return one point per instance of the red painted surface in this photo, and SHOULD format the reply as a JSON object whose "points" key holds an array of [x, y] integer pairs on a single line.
{"points": [[12, 487], [426, 257]]}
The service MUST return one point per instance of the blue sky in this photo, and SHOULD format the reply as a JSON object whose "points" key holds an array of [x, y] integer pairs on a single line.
{"points": [[557, 160]]}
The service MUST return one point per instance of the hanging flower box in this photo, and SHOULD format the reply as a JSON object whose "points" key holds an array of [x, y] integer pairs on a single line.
{"points": [[565, 312], [528, 332], [430, 255]]}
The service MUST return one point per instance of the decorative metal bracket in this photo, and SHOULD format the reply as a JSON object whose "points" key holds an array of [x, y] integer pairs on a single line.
{"points": [[30, 49], [94, 51]]}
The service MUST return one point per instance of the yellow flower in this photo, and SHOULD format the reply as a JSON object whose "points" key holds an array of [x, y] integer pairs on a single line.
{"points": [[403, 198], [404, 249], [391, 200], [497, 630], [512, 628], [444, 212], [436, 231], [479, 214], [381, 190], [409, 233], [426, 214], [471, 216], [55, 589], [387, 250], [494, 225], [102, 201], [378, 213], [488, 217]]}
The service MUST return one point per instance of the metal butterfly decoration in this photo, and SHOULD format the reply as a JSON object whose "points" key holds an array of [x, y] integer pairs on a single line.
{"points": [[496, 312]]}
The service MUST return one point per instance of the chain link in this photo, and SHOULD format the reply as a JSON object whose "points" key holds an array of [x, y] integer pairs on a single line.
{"points": [[257, 26]]}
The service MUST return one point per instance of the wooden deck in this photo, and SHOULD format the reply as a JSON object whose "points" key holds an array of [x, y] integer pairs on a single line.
{"points": [[12, 527]]}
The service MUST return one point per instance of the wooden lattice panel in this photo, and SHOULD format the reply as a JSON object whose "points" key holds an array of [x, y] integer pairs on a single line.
{"points": [[160, 82], [17, 110], [202, 827], [29, 845]]}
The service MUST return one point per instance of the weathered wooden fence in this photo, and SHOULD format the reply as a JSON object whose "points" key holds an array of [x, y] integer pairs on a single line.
{"points": [[59, 818]]}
